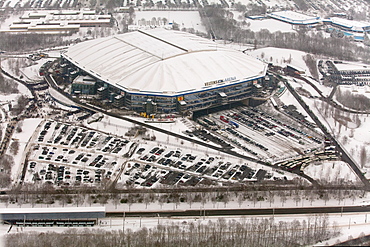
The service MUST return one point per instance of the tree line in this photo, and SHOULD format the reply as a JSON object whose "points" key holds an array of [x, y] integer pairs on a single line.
{"points": [[6, 163], [221, 25], [7, 86], [252, 198], [21, 42], [357, 102], [244, 232]]}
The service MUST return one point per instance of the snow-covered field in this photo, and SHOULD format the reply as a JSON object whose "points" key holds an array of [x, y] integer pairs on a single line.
{"points": [[350, 129], [271, 25], [282, 57], [331, 172], [185, 19], [355, 90], [28, 127]]}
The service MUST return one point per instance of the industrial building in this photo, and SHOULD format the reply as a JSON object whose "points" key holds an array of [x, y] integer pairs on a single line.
{"points": [[61, 216], [338, 24], [295, 18], [348, 28], [164, 71], [59, 21]]}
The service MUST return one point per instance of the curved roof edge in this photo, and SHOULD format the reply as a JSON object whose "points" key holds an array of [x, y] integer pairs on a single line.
{"points": [[173, 94], [190, 63]]}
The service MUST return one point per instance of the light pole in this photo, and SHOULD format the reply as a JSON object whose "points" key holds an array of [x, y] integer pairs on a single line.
{"points": [[349, 223], [123, 222]]}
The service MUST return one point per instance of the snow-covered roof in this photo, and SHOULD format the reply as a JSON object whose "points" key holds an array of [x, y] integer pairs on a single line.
{"points": [[355, 26], [294, 17], [52, 210], [41, 21], [160, 61], [350, 66], [87, 80]]}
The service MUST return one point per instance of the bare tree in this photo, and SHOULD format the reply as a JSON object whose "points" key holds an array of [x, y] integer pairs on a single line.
{"points": [[14, 147], [251, 232], [363, 156], [6, 163]]}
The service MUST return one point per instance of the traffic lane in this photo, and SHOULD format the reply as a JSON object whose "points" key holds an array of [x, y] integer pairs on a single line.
{"points": [[263, 211]]}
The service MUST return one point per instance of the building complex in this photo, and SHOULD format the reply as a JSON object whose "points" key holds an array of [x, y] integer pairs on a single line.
{"points": [[161, 70]]}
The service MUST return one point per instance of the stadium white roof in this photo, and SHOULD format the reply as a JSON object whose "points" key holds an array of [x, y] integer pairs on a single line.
{"points": [[165, 62]]}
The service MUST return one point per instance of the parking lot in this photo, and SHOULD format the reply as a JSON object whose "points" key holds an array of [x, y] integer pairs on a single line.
{"points": [[169, 166], [258, 134], [66, 155]]}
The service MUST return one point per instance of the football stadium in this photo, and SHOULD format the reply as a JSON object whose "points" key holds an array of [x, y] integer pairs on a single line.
{"points": [[162, 71]]}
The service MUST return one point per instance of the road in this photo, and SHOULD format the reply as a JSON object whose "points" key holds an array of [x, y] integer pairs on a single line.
{"points": [[224, 212], [345, 156], [52, 84]]}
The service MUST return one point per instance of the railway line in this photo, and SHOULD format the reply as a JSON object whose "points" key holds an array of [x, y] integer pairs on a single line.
{"points": [[228, 212]]}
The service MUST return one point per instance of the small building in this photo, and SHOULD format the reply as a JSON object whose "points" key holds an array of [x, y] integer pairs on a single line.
{"points": [[119, 101], [256, 17], [348, 25], [291, 70], [102, 93], [340, 27], [83, 85]]}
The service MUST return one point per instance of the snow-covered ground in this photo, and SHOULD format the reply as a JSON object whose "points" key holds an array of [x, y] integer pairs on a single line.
{"points": [[185, 19], [28, 127], [356, 131], [282, 57], [351, 130], [346, 65], [351, 225], [355, 90], [331, 172], [271, 25]]}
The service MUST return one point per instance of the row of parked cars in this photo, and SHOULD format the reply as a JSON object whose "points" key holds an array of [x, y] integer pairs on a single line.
{"points": [[62, 175], [95, 156], [64, 154], [187, 165]]}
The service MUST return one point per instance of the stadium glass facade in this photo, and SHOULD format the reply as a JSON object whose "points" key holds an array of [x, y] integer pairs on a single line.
{"points": [[190, 101], [163, 71], [193, 101]]}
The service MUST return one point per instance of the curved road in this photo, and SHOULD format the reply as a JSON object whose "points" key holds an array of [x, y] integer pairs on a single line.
{"points": [[345, 156], [52, 84]]}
